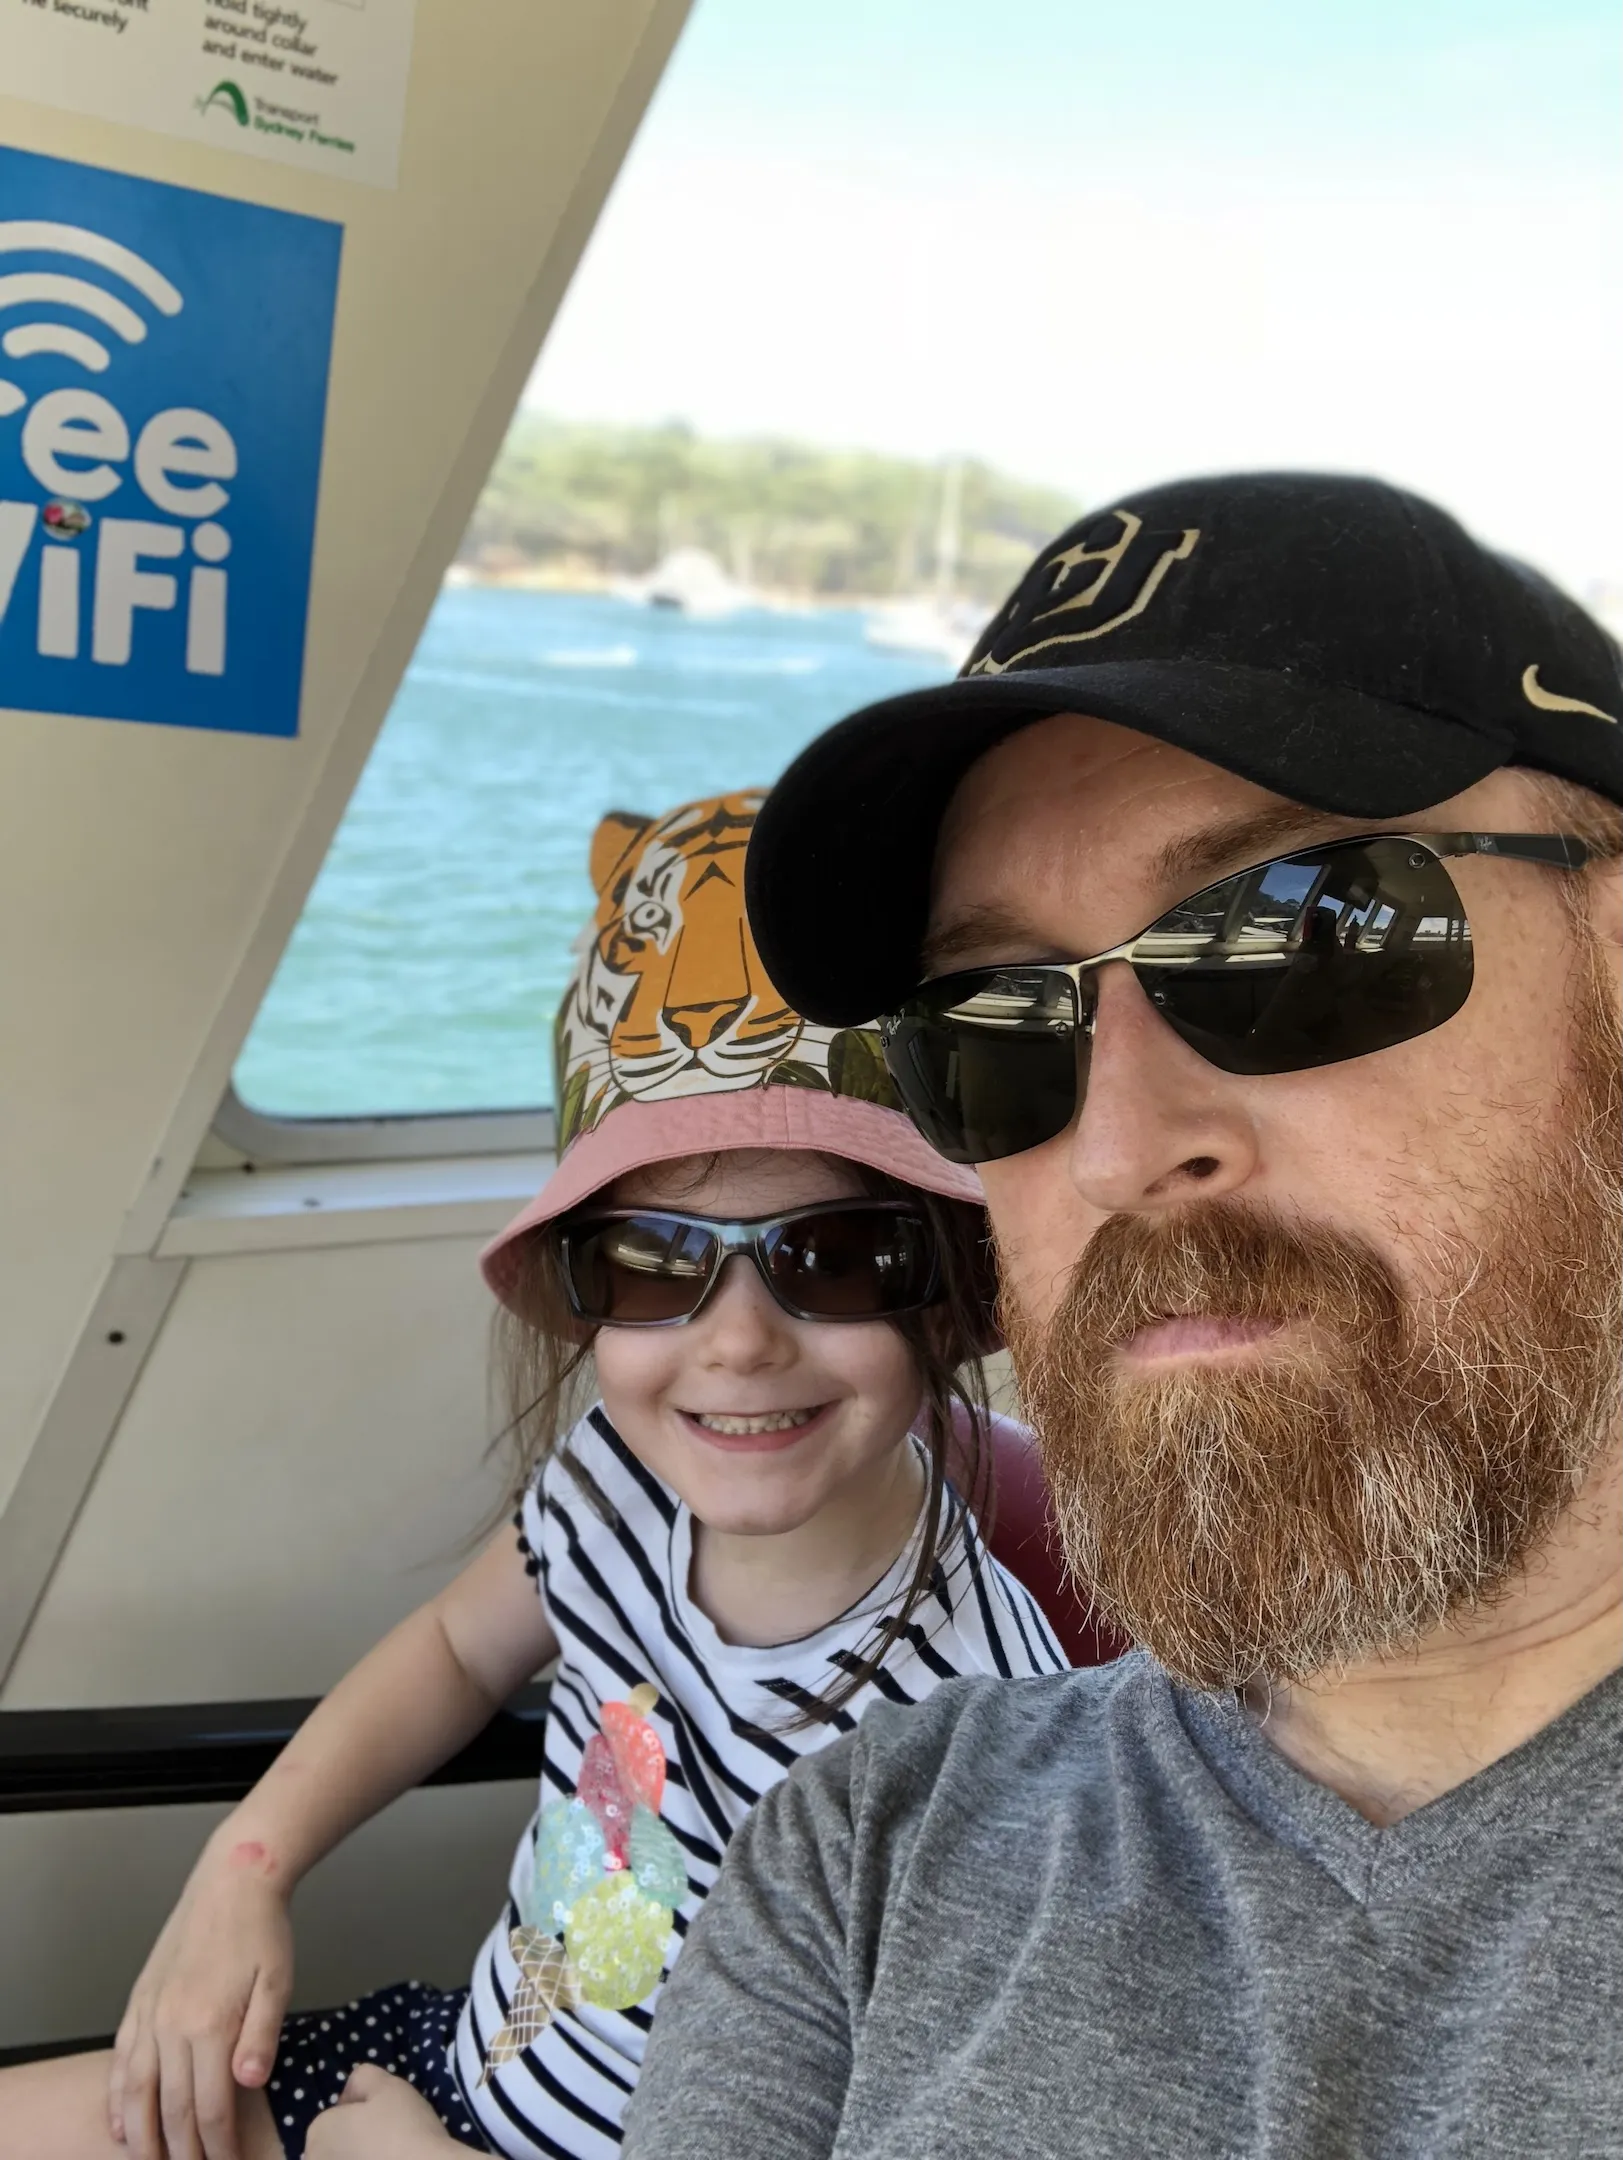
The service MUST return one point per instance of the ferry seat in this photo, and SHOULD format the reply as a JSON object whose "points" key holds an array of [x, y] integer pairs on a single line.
{"points": [[1024, 1539]]}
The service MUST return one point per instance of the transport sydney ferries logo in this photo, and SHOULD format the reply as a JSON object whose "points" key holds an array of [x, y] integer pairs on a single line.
{"points": [[163, 386]]}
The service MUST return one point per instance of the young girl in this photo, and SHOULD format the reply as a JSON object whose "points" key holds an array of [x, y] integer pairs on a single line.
{"points": [[748, 1538]]}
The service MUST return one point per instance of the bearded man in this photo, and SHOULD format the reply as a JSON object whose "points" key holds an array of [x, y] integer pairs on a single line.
{"points": [[1249, 912]]}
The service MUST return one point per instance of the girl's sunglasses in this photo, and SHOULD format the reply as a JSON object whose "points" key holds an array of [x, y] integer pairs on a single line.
{"points": [[1307, 960], [836, 1260]]}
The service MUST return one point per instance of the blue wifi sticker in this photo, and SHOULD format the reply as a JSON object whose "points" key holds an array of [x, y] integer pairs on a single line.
{"points": [[163, 389]]}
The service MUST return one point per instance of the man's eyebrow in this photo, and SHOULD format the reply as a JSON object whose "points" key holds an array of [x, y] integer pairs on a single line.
{"points": [[1193, 858], [971, 934]]}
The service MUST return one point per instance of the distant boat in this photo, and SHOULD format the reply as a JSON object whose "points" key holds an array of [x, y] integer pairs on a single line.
{"points": [[924, 625], [936, 622], [690, 580]]}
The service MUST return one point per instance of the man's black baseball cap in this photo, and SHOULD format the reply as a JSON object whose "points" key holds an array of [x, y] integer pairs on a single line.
{"points": [[1340, 642]]}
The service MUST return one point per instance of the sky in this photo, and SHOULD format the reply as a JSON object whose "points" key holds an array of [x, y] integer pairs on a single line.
{"points": [[1100, 247]]}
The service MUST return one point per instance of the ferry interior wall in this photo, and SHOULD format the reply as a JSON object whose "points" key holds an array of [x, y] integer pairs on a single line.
{"points": [[254, 373]]}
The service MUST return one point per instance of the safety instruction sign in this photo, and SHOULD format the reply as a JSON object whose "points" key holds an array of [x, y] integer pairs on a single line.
{"points": [[321, 84], [163, 390]]}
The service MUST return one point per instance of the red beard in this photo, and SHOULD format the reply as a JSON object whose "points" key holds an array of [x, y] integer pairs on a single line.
{"points": [[1388, 1467]]}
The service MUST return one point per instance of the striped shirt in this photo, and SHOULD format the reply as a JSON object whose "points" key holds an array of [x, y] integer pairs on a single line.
{"points": [[616, 1593]]}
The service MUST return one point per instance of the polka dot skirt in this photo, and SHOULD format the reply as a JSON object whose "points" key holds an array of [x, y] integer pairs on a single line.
{"points": [[407, 2030]]}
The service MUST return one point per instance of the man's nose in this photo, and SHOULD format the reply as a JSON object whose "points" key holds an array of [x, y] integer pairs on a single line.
{"points": [[1159, 1126]]}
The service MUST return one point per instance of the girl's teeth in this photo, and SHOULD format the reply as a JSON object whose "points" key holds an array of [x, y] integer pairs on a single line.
{"points": [[775, 1421]]}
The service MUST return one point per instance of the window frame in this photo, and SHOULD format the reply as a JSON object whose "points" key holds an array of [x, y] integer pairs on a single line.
{"points": [[260, 1136]]}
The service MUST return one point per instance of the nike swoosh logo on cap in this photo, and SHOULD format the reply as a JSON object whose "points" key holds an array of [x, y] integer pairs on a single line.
{"points": [[1551, 701]]}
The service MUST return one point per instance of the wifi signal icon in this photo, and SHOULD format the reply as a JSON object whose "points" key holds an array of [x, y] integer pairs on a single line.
{"points": [[57, 289]]}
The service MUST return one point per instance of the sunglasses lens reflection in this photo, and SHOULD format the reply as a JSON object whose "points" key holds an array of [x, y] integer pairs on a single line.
{"points": [[851, 1265], [989, 1073], [1317, 959], [650, 1269], [1305, 961], [642, 1269]]}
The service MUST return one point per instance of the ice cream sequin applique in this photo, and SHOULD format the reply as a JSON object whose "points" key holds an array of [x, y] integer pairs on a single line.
{"points": [[596, 1926]]}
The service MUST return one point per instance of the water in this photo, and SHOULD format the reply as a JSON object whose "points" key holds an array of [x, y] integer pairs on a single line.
{"points": [[431, 956]]}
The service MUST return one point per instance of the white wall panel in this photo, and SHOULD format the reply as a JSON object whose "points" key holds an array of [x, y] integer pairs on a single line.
{"points": [[296, 1469]]}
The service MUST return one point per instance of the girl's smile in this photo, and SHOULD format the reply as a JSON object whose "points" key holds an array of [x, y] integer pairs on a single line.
{"points": [[755, 1431]]}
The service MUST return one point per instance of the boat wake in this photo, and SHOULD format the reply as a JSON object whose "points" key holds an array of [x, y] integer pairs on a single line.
{"points": [[775, 664], [590, 656]]}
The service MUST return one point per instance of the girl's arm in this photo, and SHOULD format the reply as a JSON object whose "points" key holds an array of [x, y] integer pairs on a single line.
{"points": [[428, 1687], [205, 2014]]}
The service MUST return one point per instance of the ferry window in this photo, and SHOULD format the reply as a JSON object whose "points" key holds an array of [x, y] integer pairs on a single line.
{"points": [[885, 293]]}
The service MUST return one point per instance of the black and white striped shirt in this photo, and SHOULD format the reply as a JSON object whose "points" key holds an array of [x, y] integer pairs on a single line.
{"points": [[616, 1592]]}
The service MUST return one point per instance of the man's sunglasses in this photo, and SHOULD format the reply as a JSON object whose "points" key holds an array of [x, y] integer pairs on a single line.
{"points": [[836, 1260], [1306, 960]]}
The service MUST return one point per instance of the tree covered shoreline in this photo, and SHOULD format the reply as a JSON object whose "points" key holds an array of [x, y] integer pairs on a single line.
{"points": [[586, 504]]}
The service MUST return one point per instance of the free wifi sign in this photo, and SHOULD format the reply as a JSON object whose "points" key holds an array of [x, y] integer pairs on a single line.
{"points": [[163, 382]]}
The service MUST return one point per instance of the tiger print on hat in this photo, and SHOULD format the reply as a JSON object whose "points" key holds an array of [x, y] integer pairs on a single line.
{"points": [[670, 998]]}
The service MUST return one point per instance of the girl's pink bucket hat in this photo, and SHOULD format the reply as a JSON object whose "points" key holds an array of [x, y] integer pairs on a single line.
{"points": [[672, 1041]]}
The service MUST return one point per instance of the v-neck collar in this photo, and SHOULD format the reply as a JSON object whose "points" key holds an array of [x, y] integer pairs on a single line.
{"points": [[1555, 1776]]}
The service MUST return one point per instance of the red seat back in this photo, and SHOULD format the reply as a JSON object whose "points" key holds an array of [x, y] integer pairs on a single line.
{"points": [[1024, 1540]]}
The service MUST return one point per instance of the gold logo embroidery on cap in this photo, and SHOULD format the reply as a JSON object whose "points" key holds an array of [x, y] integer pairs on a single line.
{"points": [[1173, 548], [1551, 701]]}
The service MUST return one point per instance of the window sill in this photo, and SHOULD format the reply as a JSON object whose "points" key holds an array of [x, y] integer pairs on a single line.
{"points": [[290, 1208], [244, 1134]]}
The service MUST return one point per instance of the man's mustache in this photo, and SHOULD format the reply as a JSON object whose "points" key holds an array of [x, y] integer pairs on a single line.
{"points": [[1227, 1259]]}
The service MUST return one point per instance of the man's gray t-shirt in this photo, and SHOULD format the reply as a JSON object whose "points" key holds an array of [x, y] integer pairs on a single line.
{"points": [[1097, 1915]]}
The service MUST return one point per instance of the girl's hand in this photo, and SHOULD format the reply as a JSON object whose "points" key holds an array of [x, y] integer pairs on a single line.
{"points": [[379, 2117], [206, 2013]]}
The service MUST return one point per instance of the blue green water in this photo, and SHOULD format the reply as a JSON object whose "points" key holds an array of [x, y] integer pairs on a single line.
{"points": [[429, 961]]}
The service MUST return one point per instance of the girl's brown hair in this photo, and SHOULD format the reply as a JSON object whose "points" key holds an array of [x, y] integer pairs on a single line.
{"points": [[542, 1368]]}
